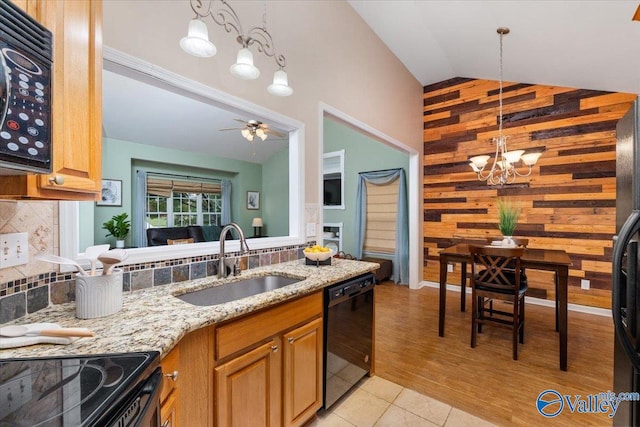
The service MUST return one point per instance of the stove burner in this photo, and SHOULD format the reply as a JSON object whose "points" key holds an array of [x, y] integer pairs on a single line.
{"points": [[78, 390]]}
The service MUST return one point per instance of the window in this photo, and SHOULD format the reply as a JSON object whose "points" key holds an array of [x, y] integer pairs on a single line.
{"points": [[382, 206], [176, 203], [333, 180]]}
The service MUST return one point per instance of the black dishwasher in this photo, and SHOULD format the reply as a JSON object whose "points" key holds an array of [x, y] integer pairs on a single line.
{"points": [[348, 335]]}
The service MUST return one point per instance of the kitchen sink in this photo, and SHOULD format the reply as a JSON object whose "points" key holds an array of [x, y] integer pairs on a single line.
{"points": [[236, 290]]}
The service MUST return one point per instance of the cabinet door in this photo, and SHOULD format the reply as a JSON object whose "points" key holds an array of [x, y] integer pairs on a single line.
{"points": [[76, 103], [248, 388], [302, 373], [77, 89], [169, 411]]}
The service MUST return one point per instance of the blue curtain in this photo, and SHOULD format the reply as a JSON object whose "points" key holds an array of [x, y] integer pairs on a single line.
{"points": [[139, 209], [226, 202], [401, 257]]}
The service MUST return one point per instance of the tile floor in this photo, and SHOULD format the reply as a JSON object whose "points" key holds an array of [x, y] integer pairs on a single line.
{"points": [[381, 403]]}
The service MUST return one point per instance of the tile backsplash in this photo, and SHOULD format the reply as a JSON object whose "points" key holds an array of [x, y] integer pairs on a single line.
{"points": [[28, 288], [28, 295], [40, 221]]}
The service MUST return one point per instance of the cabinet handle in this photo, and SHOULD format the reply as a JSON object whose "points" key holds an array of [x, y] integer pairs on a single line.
{"points": [[274, 348], [291, 340], [173, 375], [167, 423], [58, 180]]}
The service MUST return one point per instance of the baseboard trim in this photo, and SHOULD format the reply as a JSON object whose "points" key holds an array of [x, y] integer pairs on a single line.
{"points": [[605, 312]]}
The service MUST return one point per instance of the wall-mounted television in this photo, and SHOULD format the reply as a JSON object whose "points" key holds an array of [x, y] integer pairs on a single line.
{"points": [[332, 191]]}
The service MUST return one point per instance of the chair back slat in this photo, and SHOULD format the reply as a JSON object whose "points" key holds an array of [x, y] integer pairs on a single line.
{"points": [[496, 267]]}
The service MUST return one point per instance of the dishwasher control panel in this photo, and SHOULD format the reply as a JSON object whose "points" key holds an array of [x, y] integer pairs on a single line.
{"points": [[351, 287]]}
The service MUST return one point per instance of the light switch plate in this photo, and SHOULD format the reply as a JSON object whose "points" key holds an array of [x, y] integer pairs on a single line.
{"points": [[585, 284], [14, 249], [311, 229]]}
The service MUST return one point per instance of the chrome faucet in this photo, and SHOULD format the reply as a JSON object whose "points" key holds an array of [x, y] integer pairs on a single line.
{"points": [[222, 270]]}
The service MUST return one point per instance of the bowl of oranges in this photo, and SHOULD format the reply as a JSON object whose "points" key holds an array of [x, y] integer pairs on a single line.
{"points": [[318, 253]]}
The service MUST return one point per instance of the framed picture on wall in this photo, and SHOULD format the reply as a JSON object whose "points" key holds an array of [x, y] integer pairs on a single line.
{"points": [[253, 200], [111, 193]]}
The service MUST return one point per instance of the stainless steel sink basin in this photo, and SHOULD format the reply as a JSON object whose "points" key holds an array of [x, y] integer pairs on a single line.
{"points": [[236, 290]]}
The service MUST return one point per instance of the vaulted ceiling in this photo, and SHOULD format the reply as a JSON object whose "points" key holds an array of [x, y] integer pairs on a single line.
{"points": [[581, 44]]}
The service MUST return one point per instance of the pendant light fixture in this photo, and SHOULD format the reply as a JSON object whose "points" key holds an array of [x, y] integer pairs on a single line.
{"points": [[220, 11], [503, 170]]}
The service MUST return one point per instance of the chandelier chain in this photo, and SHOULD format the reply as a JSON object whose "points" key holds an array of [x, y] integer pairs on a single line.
{"points": [[504, 166], [500, 91]]}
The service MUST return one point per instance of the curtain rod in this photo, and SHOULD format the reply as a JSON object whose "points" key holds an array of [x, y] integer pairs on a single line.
{"points": [[175, 176], [381, 170]]}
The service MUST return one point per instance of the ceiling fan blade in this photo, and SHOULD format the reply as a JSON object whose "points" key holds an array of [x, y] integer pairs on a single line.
{"points": [[241, 121], [274, 132], [231, 129]]}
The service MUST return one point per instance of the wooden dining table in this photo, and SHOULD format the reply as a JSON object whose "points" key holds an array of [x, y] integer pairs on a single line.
{"points": [[555, 260]]}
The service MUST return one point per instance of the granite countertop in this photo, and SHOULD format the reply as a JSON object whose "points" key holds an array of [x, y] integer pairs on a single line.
{"points": [[154, 320]]}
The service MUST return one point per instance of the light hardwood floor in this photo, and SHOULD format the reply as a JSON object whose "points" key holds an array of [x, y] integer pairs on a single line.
{"points": [[485, 381]]}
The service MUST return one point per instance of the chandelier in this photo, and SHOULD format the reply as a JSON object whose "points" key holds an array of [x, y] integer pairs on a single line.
{"points": [[503, 170], [197, 42]]}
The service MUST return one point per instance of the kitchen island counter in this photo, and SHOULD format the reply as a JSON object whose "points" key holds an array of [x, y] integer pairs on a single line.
{"points": [[155, 320]]}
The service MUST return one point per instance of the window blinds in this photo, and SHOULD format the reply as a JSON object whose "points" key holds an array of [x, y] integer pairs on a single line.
{"points": [[165, 187], [382, 207]]}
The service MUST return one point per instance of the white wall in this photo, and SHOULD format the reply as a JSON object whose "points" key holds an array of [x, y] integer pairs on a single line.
{"points": [[332, 57]]}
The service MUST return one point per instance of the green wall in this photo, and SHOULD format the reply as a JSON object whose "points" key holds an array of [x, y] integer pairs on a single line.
{"points": [[275, 201], [362, 154], [121, 159]]}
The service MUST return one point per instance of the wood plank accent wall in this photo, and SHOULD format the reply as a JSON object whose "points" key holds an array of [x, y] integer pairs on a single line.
{"points": [[568, 201]]}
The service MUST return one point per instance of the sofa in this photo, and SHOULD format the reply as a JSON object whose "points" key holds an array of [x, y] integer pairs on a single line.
{"points": [[190, 234]]}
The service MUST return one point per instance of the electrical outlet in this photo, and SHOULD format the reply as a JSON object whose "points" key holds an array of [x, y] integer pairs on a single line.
{"points": [[449, 268], [14, 249], [585, 284], [311, 229]]}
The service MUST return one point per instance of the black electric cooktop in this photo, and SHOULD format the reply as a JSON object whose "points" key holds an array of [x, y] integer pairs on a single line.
{"points": [[69, 390]]}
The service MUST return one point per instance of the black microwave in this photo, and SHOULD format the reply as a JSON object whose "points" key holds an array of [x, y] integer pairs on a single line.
{"points": [[25, 93]]}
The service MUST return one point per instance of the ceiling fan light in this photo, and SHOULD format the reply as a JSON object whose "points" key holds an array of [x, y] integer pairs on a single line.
{"points": [[197, 42], [244, 68], [245, 133], [260, 134], [280, 85]]}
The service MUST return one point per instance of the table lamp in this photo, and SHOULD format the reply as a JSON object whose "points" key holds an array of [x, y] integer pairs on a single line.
{"points": [[257, 227]]}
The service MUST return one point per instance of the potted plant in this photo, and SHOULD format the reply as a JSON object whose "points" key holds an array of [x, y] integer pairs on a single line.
{"points": [[118, 226], [508, 213]]}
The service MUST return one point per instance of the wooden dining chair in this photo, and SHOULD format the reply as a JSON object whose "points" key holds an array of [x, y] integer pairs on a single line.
{"points": [[496, 273]]}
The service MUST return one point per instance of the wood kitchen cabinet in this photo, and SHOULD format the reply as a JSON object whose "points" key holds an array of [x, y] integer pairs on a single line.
{"points": [[262, 369], [170, 365], [302, 377], [76, 103], [269, 365], [248, 388]]}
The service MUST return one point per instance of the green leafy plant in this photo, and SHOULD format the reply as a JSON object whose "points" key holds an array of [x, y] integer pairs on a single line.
{"points": [[508, 213], [118, 226]]}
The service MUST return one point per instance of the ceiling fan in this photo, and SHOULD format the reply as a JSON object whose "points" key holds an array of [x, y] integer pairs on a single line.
{"points": [[253, 128]]}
